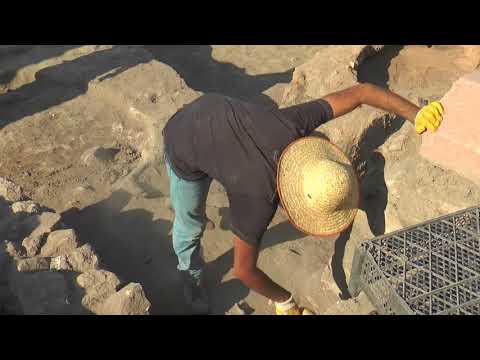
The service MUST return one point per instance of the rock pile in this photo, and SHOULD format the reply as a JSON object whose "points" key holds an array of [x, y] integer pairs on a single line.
{"points": [[46, 269]]}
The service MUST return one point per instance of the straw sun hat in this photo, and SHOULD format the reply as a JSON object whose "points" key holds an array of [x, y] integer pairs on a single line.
{"points": [[318, 187]]}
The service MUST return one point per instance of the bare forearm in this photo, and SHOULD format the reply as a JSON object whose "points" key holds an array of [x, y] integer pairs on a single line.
{"points": [[259, 282], [347, 100], [245, 268], [386, 100]]}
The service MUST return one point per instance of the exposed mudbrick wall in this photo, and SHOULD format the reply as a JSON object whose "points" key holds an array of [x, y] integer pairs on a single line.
{"points": [[456, 145]]}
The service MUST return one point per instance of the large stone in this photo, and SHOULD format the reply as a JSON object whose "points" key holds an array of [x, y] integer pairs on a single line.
{"points": [[357, 142], [33, 243], [33, 264], [456, 144], [81, 259], [130, 300], [13, 249], [97, 280], [60, 263], [334, 69], [10, 191], [421, 71], [60, 242], [98, 285], [28, 207], [217, 196], [47, 222], [331, 69], [419, 191]]}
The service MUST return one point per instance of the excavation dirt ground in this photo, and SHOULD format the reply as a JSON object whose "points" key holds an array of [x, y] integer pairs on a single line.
{"points": [[71, 129]]}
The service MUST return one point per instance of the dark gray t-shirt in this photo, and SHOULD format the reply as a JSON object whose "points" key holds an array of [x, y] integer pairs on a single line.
{"points": [[238, 144]]}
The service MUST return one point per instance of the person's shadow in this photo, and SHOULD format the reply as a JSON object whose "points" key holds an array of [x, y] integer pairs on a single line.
{"points": [[375, 194], [373, 189], [196, 65]]}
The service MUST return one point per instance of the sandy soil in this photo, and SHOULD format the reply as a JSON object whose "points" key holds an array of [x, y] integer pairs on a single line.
{"points": [[49, 124], [131, 234]]}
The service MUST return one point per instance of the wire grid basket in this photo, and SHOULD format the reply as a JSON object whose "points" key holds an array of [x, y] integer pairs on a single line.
{"points": [[429, 269]]}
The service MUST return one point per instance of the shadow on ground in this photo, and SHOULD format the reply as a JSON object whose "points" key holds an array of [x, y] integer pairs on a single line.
{"points": [[375, 69], [134, 246], [374, 196], [139, 249], [57, 84], [226, 294], [201, 72], [35, 57]]}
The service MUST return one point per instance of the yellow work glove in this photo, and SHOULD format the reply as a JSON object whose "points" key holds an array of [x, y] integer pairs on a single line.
{"points": [[429, 117], [289, 307]]}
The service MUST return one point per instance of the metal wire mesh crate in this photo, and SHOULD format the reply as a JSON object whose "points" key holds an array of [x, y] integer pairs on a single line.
{"points": [[429, 269]]}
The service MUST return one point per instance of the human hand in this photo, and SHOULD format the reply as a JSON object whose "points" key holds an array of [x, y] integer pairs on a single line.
{"points": [[290, 307], [429, 117]]}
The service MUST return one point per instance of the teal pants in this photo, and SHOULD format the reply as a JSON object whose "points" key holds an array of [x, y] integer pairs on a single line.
{"points": [[188, 199]]}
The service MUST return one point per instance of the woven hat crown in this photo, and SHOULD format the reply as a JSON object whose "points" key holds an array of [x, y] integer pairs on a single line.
{"points": [[318, 186], [326, 185]]}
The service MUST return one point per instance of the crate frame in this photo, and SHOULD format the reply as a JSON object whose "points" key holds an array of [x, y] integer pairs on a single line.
{"points": [[420, 277]]}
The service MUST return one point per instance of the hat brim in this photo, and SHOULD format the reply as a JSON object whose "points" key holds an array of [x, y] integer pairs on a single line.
{"points": [[289, 174]]}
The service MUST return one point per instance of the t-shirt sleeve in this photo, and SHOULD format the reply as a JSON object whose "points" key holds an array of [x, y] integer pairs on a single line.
{"points": [[250, 217], [310, 115]]}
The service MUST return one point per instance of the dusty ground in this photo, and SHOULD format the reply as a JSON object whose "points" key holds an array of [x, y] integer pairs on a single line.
{"points": [[47, 105], [59, 103]]}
